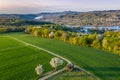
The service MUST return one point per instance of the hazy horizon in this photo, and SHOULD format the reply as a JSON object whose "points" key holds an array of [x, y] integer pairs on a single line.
{"points": [[38, 6]]}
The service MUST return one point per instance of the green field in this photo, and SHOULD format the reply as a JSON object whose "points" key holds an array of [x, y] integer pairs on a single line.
{"points": [[18, 61], [76, 74], [103, 64]]}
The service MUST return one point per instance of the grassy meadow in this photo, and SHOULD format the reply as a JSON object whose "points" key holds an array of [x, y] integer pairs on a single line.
{"points": [[76, 74], [101, 63], [18, 61]]}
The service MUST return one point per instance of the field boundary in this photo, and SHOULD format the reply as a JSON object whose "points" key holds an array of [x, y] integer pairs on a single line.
{"points": [[52, 53]]}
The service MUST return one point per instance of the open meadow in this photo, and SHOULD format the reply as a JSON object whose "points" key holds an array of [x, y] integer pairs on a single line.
{"points": [[18, 61], [76, 74], [103, 64]]}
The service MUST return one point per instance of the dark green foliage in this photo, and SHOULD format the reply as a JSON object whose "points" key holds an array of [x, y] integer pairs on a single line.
{"points": [[20, 22], [11, 29]]}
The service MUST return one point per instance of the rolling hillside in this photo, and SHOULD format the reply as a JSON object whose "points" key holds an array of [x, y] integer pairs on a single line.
{"points": [[103, 64], [95, 18]]}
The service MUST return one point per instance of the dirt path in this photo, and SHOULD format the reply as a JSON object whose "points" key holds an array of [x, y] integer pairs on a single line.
{"points": [[58, 71]]}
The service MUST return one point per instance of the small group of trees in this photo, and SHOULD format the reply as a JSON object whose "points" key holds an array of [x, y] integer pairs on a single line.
{"points": [[37, 31], [54, 63], [109, 41]]}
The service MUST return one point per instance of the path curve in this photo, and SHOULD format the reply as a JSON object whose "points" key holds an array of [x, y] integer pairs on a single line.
{"points": [[58, 71]]}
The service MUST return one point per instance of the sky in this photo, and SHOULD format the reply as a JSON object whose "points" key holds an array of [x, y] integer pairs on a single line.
{"points": [[37, 6]]}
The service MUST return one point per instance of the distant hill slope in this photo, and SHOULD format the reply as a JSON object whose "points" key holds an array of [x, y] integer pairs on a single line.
{"points": [[103, 18], [33, 16]]}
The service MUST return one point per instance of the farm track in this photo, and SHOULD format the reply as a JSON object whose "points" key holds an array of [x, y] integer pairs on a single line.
{"points": [[58, 71]]}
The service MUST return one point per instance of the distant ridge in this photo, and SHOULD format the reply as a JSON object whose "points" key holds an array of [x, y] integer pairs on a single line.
{"points": [[104, 18]]}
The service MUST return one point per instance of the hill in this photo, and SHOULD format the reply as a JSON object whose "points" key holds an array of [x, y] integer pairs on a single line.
{"points": [[96, 18]]}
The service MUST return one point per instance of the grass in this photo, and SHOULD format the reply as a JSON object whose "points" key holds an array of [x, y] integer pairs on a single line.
{"points": [[103, 64], [9, 42], [18, 61], [76, 74]]}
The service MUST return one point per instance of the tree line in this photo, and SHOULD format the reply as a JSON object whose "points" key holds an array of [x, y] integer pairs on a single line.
{"points": [[20, 22], [11, 29], [109, 41], [53, 27]]}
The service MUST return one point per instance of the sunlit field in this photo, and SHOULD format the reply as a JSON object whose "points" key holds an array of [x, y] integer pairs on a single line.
{"points": [[18, 61], [101, 63]]}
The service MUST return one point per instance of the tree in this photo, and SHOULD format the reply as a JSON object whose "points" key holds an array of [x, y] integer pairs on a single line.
{"points": [[28, 30], [51, 35], [72, 34], [96, 44], [2, 30], [69, 67], [91, 37], [108, 33], [38, 32], [39, 70], [45, 32], [56, 62], [83, 41], [99, 37], [116, 49], [75, 40], [58, 34], [64, 36], [105, 44]]}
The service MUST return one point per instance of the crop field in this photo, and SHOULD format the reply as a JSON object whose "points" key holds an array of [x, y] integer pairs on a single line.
{"points": [[101, 63], [18, 61]]}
